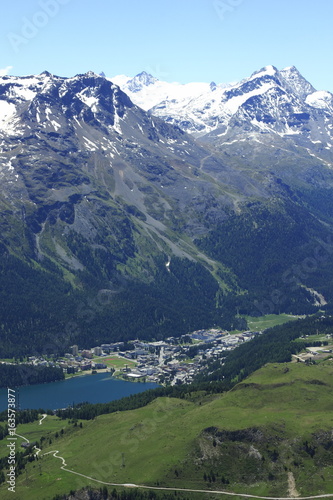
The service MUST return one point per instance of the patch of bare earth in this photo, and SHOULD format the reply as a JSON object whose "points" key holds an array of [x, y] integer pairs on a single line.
{"points": [[292, 491]]}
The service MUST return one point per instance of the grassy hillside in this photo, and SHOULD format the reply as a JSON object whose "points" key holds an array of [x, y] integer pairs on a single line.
{"points": [[275, 425], [268, 321]]}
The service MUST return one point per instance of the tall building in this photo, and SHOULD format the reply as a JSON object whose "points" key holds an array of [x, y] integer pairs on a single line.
{"points": [[74, 350]]}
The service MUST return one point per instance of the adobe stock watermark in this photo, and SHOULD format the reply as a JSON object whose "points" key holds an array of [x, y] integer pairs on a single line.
{"points": [[11, 474], [31, 26], [296, 274], [157, 71], [225, 7]]}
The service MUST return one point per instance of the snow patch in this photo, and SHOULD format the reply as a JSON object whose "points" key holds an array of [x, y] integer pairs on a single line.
{"points": [[77, 121], [234, 103], [267, 70], [23, 93], [153, 94], [233, 142], [56, 125], [89, 144], [320, 99], [7, 111]]}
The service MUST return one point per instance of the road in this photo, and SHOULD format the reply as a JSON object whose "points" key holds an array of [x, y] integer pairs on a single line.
{"points": [[161, 488]]}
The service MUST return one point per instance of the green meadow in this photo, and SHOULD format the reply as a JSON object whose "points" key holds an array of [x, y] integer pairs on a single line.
{"points": [[276, 422], [268, 321], [115, 362]]}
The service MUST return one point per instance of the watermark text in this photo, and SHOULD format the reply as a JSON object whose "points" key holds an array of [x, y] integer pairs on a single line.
{"points": [[11, 474]]}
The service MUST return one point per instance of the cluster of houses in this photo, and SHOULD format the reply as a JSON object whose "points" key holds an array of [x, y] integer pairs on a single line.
{"points": [[85, 359], [79, 360], [178, 360], [318, 352], [173, 361], [71, 363]]}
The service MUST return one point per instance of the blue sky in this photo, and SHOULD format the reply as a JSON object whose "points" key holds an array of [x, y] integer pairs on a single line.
{"points": [[175, 40]]}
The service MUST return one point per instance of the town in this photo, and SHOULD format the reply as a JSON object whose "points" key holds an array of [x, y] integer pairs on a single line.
{"points": [[168, 362]]}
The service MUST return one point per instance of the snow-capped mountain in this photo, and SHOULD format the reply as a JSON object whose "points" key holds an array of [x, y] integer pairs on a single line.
{"points": [[201, 108], [278, 119], [267, 106], [264, 121], [67, 138], [273, 101], [147, 91]]}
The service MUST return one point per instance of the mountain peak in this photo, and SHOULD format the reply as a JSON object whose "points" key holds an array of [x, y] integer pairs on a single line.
{"points": [[145, 78], [88, 74], [266, 70], [46, 73], [296, 82], [91, 73], [290, 69], [270, 69], [140, 81]]}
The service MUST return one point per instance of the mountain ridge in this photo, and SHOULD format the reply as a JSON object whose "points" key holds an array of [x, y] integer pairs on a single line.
{"points": [[96, 191], [211, 111]]}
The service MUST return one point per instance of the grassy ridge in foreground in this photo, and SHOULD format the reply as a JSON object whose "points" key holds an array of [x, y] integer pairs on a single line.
{"points": [[276, 422]]}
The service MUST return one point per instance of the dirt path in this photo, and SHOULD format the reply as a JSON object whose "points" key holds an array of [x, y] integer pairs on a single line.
{"points": [[184, 490], [202, 161], [292, 486], [43, 417]]}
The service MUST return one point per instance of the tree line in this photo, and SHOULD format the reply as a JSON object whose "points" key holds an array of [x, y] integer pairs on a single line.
{"points": [[24, 374]]}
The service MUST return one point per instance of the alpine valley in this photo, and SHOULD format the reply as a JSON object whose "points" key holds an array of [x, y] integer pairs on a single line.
{"points": [[151, 209]]}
